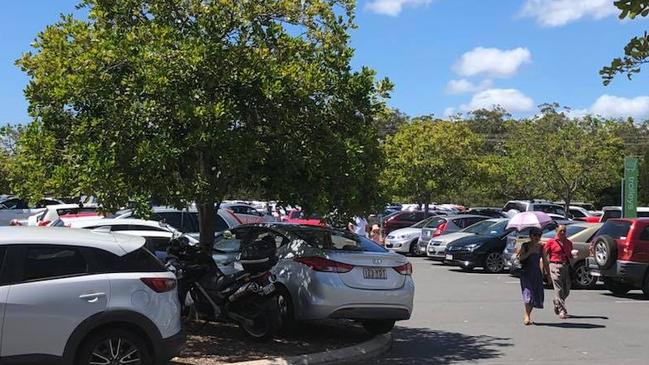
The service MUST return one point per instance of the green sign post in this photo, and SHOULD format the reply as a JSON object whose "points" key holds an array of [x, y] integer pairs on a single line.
{"points": [[630, 190]]}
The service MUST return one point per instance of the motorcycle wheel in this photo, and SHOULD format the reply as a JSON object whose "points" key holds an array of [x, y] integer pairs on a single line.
{"points": [[265, 323]]}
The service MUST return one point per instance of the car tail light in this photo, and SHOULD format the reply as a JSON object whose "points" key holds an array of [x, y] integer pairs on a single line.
{"points": [[440, 229], [405, 269], [160, 285], [43, 223], [625, 249], [324, 265]]}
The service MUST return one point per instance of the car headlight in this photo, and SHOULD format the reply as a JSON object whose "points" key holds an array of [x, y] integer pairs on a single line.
{"points": [[472, 246]]}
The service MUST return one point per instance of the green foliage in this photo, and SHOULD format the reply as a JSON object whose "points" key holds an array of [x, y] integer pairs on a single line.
{"points": [[429, 160], [189, 100], [636, 52]]}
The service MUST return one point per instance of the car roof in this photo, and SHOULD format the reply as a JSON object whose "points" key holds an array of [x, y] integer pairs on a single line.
{"points": [[116, 221], [115, 243]]}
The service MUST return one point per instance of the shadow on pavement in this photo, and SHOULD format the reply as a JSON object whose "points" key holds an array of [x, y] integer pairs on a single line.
{"points": [[425, 346], [634, 296], [585, 326], [587, 317]]}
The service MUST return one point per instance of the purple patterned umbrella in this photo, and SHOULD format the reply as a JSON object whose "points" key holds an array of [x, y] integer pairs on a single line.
{"points": [[529, 219]]}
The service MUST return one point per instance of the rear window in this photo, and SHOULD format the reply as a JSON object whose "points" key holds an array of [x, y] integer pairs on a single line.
{"points": [[551, 209], [337, 240], [611, 213], [615, 229], [140, 260], [516, 206], [435, 222]]}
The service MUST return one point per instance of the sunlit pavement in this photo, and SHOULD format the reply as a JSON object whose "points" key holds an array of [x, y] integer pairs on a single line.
{"points": [[462, 318]]}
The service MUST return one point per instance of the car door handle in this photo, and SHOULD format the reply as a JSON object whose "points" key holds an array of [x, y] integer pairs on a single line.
{"points": [[92, 297]]}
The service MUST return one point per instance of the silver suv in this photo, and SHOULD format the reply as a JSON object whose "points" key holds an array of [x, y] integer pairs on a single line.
{"points": [[536, 206], [71, 296]]}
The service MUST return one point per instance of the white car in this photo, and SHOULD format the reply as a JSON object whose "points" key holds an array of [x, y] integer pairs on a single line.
{"points": [[15, 209], [248, 214], [65, 212], [156, 234], [81, 297], [404, 240]]}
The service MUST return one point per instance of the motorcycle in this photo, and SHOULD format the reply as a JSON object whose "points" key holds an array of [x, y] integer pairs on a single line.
{"points": [[246, 298]]}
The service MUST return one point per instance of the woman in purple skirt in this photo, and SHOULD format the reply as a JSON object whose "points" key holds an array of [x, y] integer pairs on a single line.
{"points": [[531, 258]]}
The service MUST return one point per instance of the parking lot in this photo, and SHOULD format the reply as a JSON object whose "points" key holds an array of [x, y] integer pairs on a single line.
{"points": [[477, 318]]}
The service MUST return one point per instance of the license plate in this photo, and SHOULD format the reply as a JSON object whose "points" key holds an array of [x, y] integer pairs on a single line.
{"points": [[375, 273], [448, 257]]}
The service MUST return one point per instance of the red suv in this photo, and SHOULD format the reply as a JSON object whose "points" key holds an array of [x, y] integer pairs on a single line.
{"points": [[620, 255]]}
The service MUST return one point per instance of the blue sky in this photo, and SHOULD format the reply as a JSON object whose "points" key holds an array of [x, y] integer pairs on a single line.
{"points": [[444, 56]]}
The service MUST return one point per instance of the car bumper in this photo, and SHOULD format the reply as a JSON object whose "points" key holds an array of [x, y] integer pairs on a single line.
{"points": [[465, 258], [436, 252], [628, 272], [398, 245], [324, 295], [171, 346]]}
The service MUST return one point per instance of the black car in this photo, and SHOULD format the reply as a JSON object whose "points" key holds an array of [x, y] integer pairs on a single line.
{"points": [[487, 211], [484, 251]]}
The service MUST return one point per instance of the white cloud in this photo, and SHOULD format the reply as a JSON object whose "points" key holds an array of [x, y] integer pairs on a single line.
{"points": [[393, 7], [464, 86], [620, 107], [493, 62], [555, 13], [450, 111], [511, 99]]}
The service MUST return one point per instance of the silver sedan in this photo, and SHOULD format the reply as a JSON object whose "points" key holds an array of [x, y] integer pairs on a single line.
{"points": [[328, 274]]}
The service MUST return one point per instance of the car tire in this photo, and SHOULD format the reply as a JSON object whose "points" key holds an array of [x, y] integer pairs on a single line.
{"points": [[616, 287], [583, 279], [413, 249], [494, 262], [605, 251], [378, 326], [286, 311], [126, 347]]}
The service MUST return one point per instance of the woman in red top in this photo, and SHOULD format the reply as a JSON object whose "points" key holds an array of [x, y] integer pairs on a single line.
{"points": [[558, 251]]}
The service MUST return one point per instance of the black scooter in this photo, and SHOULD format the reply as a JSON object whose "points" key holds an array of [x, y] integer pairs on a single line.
{"points": [[247, 298]]}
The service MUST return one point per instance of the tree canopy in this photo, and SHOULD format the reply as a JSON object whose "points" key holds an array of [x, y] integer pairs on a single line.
{"points": [[189, 100], [636, 52]]}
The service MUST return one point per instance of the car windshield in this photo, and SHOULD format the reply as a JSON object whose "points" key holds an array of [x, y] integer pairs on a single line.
{"points": [[571, 230], [337, 240], [548, 208], [483, 227]]}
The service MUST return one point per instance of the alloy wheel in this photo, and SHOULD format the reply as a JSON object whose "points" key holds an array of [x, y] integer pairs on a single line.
{"points": [[601, 255], [494, 262], [115, 351], [584, 278]]}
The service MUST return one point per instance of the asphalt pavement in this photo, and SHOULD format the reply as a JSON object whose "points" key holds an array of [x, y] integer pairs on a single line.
{"points": [[477, 318]]}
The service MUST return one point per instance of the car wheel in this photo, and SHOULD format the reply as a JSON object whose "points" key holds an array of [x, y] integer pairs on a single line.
{"points": [[378, 326], [265, 324], [115, 346], [616, 287], [285, 307], [494, 262], [605, 250], [413, 249], [583, 279]]}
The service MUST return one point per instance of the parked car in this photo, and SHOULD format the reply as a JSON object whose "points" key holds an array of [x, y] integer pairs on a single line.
{"points": [[404, 240], [298, 216], [248, 214], [581, 214], [156, 234], [64, 212], [404, 219], [621, 255], [79, 297], [324, 273], [436, 249], [616, 212], [484, 250], [487, 212], [15, 209], [534, 205], [444, 225], [186, 220], [581, 235]]}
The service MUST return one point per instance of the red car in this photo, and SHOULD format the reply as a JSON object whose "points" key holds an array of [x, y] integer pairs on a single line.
{"points": [[403, 219], [300, 217], [620, 255]]}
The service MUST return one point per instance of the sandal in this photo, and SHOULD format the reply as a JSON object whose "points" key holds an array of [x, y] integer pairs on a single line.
{"points": [[528, 322], [563, 316]]}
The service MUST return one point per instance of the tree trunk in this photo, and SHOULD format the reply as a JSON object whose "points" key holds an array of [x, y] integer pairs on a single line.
{"points": [[426, 208], [206, 212], [566, 205]]}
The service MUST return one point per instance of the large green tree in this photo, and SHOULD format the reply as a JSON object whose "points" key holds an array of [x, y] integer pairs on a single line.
{"points": [[636, 52], [188, 100], [569, 158], [428, 160]]}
